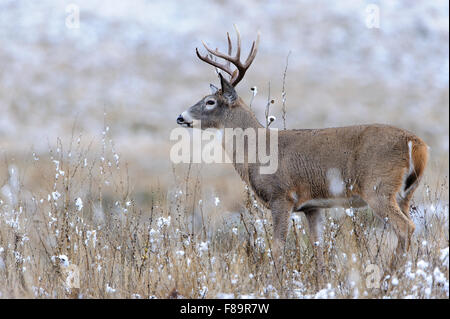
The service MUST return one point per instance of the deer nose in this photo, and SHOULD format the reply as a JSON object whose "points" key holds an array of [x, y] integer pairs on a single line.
{"points": [[180, 119]]}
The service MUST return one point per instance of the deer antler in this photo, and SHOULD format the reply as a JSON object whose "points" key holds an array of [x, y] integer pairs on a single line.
{"points": [[241, 68]]}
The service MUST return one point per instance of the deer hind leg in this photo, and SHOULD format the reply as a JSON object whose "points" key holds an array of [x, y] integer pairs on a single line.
{"points": [[403, 201], [281, 212], [387, 208], [405, 195]]}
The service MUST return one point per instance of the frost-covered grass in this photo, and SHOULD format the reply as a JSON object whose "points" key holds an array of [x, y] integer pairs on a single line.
{"points": [[84, 218], [135, 228]]}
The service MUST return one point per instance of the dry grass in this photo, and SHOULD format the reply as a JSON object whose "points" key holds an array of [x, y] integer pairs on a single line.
{"points": [[180, 243], [142, 75]]}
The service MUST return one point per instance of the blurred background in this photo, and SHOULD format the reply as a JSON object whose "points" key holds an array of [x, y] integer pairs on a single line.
{"points": [[129, 68]]}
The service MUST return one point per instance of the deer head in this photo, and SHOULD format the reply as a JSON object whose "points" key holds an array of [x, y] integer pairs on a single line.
{"points": [[213, 110]]}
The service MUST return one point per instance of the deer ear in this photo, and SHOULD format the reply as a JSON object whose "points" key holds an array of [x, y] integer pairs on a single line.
{"points": [[228, 91], [213, 88]]}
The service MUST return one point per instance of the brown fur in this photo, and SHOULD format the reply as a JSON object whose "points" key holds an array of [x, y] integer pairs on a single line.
{"points": [[372, 161], [371, 164], [349, 166]]}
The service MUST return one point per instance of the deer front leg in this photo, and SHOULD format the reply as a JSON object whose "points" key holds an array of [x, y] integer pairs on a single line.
{"points": [[314, 218], [281, 212]]}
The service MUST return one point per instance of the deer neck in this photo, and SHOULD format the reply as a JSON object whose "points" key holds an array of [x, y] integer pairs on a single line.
{"points": [[242, 117], [240, 120]]}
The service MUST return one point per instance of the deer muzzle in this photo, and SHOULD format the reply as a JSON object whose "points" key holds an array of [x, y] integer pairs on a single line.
{"points": [[184, 119]]}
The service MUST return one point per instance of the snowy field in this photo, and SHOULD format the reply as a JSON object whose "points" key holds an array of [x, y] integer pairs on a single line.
{"points": [[87, 187]]}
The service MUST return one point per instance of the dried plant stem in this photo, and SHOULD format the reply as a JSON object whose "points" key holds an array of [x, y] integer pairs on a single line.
{"points": [[283, 92], [266, 113]]}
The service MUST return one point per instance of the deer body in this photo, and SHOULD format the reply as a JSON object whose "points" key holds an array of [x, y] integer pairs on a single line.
{"points": [[331, 167], [354, 166]]}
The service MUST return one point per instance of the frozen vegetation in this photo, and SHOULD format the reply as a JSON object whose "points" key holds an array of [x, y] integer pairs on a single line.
{"points": [[87, 191]]}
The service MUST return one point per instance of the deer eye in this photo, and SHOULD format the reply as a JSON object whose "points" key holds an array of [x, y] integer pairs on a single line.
{"points": [[210, 102]]}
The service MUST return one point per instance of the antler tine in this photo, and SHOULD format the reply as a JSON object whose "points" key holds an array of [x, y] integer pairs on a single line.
{"points": [[241, 68], [238, 49], [253, 51], [218, 53], [216, 64], [230, 48]]}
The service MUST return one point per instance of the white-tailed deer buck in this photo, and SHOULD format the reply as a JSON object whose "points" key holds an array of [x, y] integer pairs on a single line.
{"points": [[354, 166]]}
